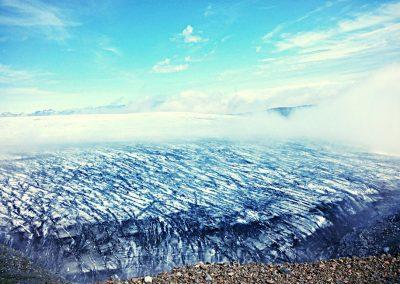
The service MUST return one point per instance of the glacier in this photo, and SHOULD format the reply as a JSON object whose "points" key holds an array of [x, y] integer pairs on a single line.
{"points": [[132, 209]]}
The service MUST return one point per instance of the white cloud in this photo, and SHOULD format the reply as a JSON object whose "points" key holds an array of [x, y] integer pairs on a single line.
{"points": [[251, 100], [189, 36], [43, 17], [385, 14], [165, 66], [272, 33], [25, 91], [267, 37], [192, 101], [9, 75], [357, 43], [209, 11], [302, 40], [226, 38], [312, 12], [18, 99], [105, 44], [112, 50]]}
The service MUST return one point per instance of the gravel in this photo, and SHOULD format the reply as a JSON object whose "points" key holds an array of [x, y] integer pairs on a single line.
{"points": [[373, 269]]}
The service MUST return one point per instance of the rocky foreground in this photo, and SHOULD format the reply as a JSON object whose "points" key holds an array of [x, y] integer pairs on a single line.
{"points": [[374, 269]]}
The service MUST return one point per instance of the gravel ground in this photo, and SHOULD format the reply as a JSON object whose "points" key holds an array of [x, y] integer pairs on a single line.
{"points": [[374, 269]]}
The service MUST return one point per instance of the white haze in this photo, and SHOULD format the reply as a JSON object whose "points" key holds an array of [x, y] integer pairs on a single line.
{"points": [[367, 115]]}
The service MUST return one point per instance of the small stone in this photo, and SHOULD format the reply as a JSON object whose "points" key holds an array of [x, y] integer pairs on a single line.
{"points": [[148, 279], [284, 270], [115, 277], [230, 273], [208, 278], [178, 274], [200, 265]]}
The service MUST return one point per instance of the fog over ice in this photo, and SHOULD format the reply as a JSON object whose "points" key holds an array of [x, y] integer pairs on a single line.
{"points": [[368, 115]]}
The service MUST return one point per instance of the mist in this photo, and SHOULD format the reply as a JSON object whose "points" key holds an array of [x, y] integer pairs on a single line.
{"points": [[367, 116]]}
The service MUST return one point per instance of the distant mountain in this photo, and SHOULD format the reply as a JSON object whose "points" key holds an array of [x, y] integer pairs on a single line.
{"points": [[287, 111], [45, 112], [10, 114], [112, 108]]}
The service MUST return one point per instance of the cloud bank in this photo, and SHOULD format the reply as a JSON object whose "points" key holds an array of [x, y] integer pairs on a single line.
{"points": [[366, 115]]}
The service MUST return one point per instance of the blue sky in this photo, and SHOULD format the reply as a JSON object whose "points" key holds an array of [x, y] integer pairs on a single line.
{"points": [[221, 56]]}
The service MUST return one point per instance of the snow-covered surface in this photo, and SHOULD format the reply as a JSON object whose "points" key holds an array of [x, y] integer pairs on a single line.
{"points": [[28, 132], [137, 209]]}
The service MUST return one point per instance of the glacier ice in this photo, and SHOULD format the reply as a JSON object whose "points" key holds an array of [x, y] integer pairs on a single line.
{"points": [[132, 210]]}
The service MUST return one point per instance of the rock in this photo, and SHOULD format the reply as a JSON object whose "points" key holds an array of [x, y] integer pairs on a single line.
{"points": [[200, 265], [115, 278], [178, 274], [208, 278], [284, 270], [148, 279]]}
